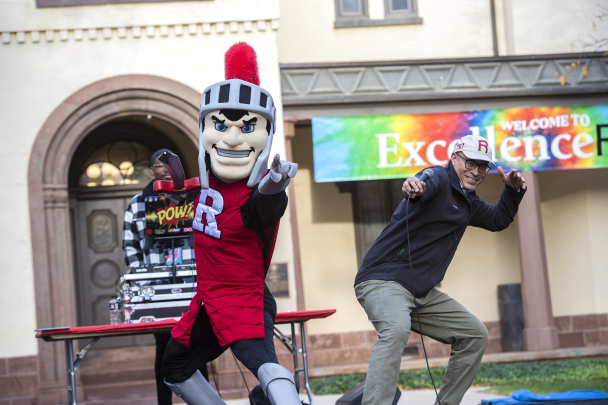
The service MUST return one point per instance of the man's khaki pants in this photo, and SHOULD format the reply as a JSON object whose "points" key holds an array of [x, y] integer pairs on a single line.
{"points": [[390, 308]]}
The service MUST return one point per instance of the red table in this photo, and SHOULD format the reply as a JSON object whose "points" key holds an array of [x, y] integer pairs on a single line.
{"points": [[68, 334]]}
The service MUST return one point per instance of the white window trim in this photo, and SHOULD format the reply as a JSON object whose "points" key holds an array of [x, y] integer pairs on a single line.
{"points": [[350, 20], [363, 20], [409, 16]]}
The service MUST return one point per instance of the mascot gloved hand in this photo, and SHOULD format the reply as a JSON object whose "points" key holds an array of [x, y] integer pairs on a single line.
{"points": [[278, 177], [238, 203]]}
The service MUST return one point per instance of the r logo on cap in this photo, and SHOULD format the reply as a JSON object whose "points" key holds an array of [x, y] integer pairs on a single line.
{"points": [[474, 147], [483, 143]]}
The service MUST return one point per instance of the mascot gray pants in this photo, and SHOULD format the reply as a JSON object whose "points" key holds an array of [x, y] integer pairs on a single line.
{"points": [[276, 381], [181, 365]]}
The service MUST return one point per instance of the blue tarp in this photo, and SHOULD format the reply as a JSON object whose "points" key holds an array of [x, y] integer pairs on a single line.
{"points": [[527, 397]]}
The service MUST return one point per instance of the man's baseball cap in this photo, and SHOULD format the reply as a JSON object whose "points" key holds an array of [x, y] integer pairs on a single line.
{"points": [[474, 147]]}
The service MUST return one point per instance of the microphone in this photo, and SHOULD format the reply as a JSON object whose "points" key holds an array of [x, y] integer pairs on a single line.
{"points": [[427, 174], [174, 167]]}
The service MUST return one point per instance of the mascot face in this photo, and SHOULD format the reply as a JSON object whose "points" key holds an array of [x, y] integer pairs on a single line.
{"points": [[234, 139]]}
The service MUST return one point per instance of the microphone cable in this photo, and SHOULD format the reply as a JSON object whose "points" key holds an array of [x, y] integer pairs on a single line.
{"points": [[409, 253]]}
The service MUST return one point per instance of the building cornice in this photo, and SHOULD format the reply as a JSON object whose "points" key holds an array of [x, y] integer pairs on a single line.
{"points": [[381, 81], [137, 31]]}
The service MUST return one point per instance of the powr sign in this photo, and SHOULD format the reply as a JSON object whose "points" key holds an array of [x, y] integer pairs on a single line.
{"points": [[395, 146]]}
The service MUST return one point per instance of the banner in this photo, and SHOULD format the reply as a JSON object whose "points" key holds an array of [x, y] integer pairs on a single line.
{"points": [[398, 146], [163, 217]]}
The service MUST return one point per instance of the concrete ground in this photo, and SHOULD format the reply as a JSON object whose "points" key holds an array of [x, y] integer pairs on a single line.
{"points": [[412, 397]]}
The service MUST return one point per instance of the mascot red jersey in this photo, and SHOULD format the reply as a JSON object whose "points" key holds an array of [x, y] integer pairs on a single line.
{"points": [[238, 203]]}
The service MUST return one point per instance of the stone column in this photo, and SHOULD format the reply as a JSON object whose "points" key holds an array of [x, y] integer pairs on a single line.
{"points": [[539, 332], [56, 302], [289, 125]]}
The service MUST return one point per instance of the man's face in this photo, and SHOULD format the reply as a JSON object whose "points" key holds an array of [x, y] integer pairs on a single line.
{"points": [[468, 178], [234, 146], [159, 171]]}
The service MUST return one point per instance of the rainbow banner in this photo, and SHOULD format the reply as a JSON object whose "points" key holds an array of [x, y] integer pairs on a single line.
{"points": [[397, 146]]}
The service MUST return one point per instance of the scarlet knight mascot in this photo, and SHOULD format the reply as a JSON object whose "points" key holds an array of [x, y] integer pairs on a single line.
{"points": [[237, 214]]}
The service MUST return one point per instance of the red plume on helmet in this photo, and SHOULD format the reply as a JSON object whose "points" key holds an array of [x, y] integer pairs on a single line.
{"points": [[241, 63]]}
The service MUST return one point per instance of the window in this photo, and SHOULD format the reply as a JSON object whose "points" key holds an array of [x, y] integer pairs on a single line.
{"points": [[401, 10], [350, 7], [351, 13], [397, 6], [354, 13], [120, 163]]}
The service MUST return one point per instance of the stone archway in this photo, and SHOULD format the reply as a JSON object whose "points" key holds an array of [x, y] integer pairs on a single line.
{"points": [[48, 171]]}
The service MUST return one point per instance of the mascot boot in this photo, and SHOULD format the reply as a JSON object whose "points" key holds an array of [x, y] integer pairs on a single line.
{"points": [[278, 385], [197, 391]]}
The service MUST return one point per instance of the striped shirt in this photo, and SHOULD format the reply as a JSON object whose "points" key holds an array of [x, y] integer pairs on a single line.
{"points": [[134, 236]]}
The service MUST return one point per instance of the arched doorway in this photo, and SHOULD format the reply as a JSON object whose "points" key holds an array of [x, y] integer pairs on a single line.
{"points": [[147, 102], [110, 166]]}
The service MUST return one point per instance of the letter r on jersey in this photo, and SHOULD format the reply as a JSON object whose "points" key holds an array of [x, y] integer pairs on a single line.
{"points": [[216, 208], [484, 144]]}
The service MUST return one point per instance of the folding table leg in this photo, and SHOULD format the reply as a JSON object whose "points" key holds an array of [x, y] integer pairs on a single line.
{"points": [[305, 361], [293, 348], [72, 366], [294, 351], [69, 362]]}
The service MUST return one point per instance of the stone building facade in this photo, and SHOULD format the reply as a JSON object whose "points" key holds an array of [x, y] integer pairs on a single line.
{"points": [[80, 76]]}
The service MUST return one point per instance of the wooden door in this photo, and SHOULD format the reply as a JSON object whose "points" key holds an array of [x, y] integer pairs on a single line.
{"points": [[98, 226]]}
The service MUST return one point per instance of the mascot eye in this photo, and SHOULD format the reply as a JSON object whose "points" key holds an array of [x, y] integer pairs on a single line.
{"points": [[247, 129], [220, 127]]}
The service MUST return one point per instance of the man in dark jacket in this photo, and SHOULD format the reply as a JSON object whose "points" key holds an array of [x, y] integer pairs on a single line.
{"points": [[390, 289]]}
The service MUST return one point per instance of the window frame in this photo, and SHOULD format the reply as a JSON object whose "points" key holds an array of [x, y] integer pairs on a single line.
{"points": [[409, 16], [363, 20], [350, 20]]}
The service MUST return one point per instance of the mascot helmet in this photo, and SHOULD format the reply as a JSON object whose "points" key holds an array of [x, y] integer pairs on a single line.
{"points": [[241, 91]]}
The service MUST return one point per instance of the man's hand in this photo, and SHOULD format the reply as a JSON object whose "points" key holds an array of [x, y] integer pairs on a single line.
{"points": [[413, 183], [278, 177], [512, 179]]}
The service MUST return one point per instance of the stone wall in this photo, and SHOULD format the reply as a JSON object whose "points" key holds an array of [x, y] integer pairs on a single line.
{"points": [[582, 330], [127, 374], [18, 380], [343, 353]]}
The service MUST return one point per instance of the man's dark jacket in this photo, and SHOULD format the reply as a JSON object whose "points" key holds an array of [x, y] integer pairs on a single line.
{"points": [[437, 221]]}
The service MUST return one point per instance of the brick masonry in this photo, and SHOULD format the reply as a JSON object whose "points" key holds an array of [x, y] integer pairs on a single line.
{"points": [[18, 380], [335, 353], [582, 330], [112, 375], [354, 348]]}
